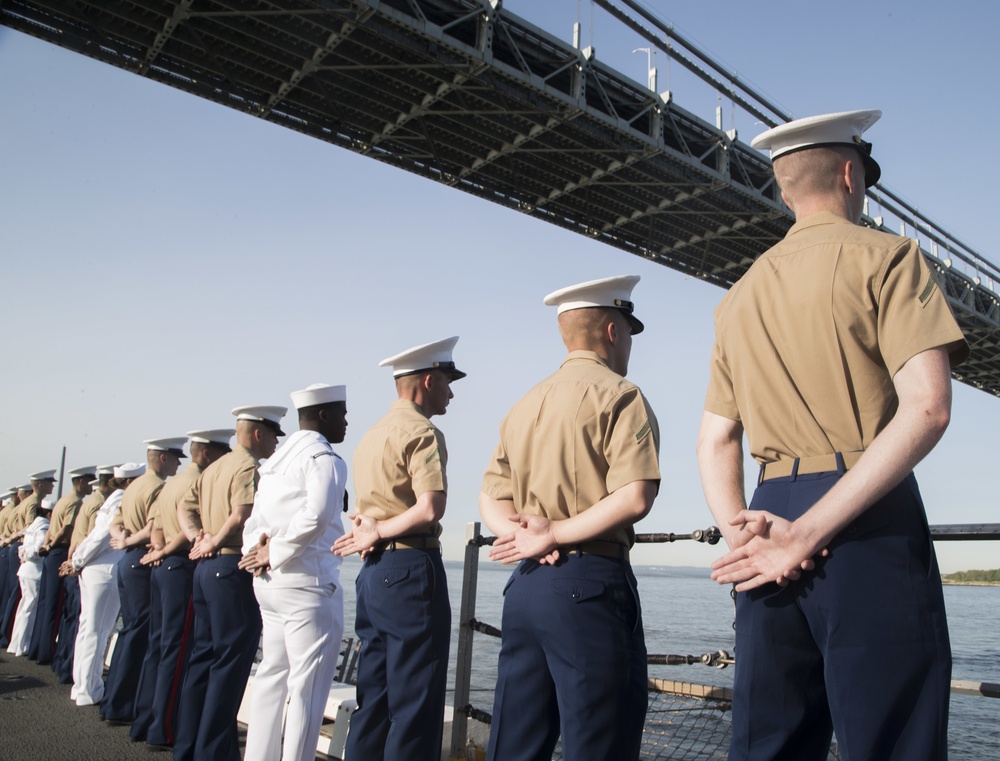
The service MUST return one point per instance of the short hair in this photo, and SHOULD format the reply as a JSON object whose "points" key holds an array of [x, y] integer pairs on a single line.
{"points": [[585, 327], [313, 411], [813, 171]]}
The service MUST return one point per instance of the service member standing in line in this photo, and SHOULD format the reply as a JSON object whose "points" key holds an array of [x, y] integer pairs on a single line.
{"points": [[834, 351], [96, 561], [42, 484], [403, 616], [54, 551], [286, 544], [130, 532], [30, 575], [576, 467], [9, 509], [171, 617], [226, 616], [86, 516]]}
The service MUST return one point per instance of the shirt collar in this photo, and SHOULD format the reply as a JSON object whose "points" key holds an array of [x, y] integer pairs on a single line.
{"points": [[817, 219], [582, 355]]}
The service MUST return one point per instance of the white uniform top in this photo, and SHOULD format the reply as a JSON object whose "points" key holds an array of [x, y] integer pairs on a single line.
{"points": [[34, 537], [96, 547], [298, 504]]}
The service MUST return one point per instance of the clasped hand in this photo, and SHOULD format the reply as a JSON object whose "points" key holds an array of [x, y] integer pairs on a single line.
{"points": [[770, 550], [531, 539], [362, 538], [258, 559]]}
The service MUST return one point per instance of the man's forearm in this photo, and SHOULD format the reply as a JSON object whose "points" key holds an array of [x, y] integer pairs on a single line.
{"points": [[622, 507], [720, 464]]}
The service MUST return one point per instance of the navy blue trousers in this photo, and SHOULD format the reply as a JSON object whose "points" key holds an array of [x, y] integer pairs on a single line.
{"points": [[3, 582], [403, 619], [859, 647], [171, 619], [227, 628], [69, 621], [572, 662], [133, 638], [42, 644], [12, 594]]}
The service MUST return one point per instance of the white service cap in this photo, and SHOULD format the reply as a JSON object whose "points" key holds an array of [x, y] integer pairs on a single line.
{"points": [[130, 470], [268, 415], [43, 475], [106, 470], [612, 292], [842, 128], [24, 487], [318, 393], [89, 471], [433, 356], [174, 445], [95, 483], [220, 436]]}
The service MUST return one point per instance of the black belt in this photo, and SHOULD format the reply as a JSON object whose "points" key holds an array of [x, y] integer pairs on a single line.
{"points": [[412, 542], [600, 547]]}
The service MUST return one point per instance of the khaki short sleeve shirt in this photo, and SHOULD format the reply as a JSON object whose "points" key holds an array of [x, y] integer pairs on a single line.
{"points": [[136, 501], [164, 510], [230, 480], [87, 516], [809, 339], [26, 513], [578, 436], [399, 458], [63, 515]]}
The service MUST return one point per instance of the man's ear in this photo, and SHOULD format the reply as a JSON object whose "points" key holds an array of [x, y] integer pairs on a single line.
{"points": [[612, 331]]}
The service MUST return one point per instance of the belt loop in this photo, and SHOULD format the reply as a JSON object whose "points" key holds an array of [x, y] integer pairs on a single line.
{"points": [[760, 475], [391, 545], [795, 468], [841, 468]]}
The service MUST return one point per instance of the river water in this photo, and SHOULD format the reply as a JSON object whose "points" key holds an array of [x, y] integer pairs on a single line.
{"points": [[686, 613]]}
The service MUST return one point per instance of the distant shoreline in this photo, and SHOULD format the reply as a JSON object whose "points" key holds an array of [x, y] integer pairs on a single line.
{"points": [[950, 583]]}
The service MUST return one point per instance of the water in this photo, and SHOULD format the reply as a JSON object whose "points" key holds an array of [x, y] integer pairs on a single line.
{"points": [[686, 613]]}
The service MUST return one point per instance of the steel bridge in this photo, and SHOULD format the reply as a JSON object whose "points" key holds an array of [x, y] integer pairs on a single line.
{"points": [[469, 95]]}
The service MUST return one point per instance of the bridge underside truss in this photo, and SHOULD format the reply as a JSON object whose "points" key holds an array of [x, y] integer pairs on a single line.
{"points": [[466, 94]]}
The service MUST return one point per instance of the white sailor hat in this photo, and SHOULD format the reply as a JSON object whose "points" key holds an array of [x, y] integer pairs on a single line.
{"points": [[106, 470], [218, 436], [174, 445], [47, 503], [420, 359], [318, 393], [842, 128], [130, 470], [614, 292], [43, 475], [89, 472], [268, 415]]}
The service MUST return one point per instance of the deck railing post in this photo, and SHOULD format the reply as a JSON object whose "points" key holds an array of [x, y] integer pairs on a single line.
{"points": [[463, 666]]}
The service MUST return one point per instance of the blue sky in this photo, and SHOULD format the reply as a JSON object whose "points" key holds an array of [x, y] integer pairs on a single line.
{"points": [[164, 259]]}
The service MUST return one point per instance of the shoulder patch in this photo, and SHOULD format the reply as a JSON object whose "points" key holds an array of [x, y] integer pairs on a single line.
{"points": [[642, 432], [325, 453]]}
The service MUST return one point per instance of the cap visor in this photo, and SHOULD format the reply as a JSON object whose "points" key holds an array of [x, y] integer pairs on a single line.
{"points": [[873, 172], [636, 323]]}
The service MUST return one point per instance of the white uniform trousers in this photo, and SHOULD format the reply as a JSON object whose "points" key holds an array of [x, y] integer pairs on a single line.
{"points": [[24, 618], [303, 627], [98, 612]]}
